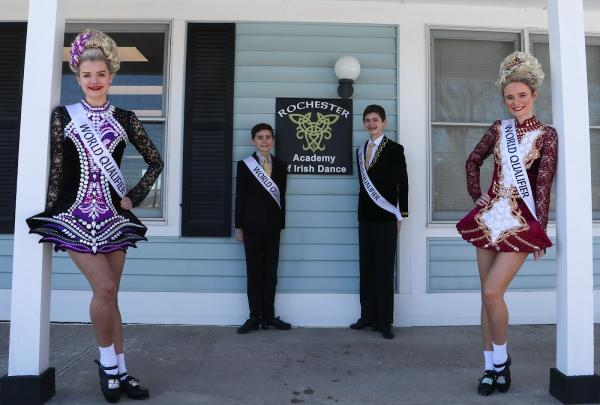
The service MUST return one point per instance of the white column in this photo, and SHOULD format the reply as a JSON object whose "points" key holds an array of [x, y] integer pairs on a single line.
{"points": [[575, 333], [30, 302]]}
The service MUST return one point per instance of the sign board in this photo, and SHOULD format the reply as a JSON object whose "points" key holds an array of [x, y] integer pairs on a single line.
{"points": [[314, 136]]}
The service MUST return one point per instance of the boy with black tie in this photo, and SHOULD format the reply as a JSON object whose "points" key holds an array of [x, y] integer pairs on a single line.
{"points": [[382, 202], [259, 219]]}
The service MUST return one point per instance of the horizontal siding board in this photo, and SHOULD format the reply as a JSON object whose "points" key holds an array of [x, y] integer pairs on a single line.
{"points": [[211, 284], [329, 30], [452, 266], [302, 74], [315, 90], [220, 268], [312, 43], [316, 59]]}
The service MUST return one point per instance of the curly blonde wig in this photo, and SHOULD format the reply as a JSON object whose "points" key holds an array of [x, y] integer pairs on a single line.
{"points": [[520, 67], [91, 45]]}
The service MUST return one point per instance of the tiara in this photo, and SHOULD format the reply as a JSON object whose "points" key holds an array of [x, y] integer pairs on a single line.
{"points": [[77, 48]]}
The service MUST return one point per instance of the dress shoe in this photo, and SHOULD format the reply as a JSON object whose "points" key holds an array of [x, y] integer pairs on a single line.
{"points": [[503, 377], [250, 324], [275, 322], [361, 323], [387, 332], [109, 383], [487, 383], [131, 387]]}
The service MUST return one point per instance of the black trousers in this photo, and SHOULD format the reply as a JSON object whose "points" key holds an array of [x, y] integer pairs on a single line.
{"points": [[262, 257], [377, 258]]}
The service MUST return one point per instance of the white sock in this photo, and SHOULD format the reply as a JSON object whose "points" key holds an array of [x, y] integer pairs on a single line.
{"points": [[108, 358], [488, 358], [122, 366], [500, 355]]}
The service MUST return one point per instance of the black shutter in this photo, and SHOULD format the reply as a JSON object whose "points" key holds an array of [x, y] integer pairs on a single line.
{"points": [[208, 130], [12, 49]]}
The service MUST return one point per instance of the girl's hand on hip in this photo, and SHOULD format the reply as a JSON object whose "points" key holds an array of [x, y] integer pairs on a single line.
{"points": [[483, 200], [126, 203], [538, 254]]}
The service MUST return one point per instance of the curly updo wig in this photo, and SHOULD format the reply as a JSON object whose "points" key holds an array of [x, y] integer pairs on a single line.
{"points": [[91, 45], [520, 67]]}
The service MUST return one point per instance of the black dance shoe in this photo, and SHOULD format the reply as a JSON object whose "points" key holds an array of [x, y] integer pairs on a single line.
{"points": [[132, 388], [275, 322], [361, 323], [109, 383], [387, 332], [503, 377], [250, 324], [487, 383]]}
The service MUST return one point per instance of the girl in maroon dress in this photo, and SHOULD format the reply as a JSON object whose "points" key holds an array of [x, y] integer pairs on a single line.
{"points": [[503, 226]]}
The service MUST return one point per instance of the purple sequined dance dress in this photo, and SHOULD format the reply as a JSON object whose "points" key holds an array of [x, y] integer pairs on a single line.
{"points": [[83, 212]]}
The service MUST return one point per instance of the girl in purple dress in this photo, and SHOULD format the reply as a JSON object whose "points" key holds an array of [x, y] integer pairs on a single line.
{"points": [[88, 206]]}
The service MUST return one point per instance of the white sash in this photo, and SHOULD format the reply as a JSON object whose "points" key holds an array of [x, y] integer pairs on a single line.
{"points": [[263, 178], [510, 148], [94, 145], [372, 191]]}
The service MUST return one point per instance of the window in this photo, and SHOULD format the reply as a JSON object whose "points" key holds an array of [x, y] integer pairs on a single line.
{"points": [[140, 86], [540, 48], [465, 101]]}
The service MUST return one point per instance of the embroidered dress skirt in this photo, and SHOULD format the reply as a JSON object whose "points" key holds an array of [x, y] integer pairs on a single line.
{"points": [[77, 230], [504, 224]]}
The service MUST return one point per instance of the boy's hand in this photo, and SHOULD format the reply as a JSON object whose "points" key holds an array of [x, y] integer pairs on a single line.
{"points": [[239, 234]]}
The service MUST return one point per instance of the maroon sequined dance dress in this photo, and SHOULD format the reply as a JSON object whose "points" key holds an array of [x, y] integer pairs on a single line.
{"points": [[505, 223], [83, 211]]}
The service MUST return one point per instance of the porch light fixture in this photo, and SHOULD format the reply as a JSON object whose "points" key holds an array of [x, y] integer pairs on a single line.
{"points": [[347, 69]]}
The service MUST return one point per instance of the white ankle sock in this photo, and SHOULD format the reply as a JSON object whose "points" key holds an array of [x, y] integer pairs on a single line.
{"points": [[500, 355], [121, 364], [488, 358], [108, 358]]}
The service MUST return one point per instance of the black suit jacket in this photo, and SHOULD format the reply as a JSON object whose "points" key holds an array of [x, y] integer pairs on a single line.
{"points": [[255, 210], [388, 174]]}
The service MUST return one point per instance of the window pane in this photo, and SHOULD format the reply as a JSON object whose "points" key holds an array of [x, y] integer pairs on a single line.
{"points": [[540, 49], [464, 80], [543, 105], [451, 145], [595, 161], [134, 167], [593, 75], [138, 86]]}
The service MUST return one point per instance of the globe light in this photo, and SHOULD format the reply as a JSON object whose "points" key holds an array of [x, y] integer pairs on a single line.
{"points": [[347, 69]]}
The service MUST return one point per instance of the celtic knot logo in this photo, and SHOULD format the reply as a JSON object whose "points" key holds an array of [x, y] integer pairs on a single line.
{"points": [[313, 132]]}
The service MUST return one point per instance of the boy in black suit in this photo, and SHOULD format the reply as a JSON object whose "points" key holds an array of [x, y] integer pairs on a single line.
{"points": [[382, 202], [259, 219]]}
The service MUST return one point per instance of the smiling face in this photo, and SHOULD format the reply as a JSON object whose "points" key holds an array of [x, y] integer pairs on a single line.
{"points": [[519, 100], [374, 125], [94, 79], [264, 141]]}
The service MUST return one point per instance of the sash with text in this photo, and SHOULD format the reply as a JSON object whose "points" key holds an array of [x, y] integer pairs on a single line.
{"points": [[94, 145], [263, 178], [510, 147], [372, 191]]}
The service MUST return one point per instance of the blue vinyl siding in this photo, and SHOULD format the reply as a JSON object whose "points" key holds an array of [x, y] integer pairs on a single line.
{"points": [[452, 267], [319, 247]]}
